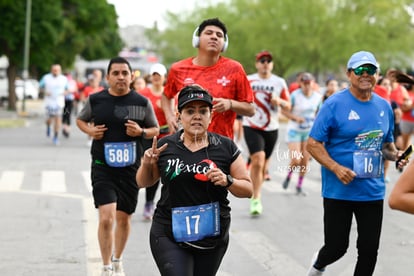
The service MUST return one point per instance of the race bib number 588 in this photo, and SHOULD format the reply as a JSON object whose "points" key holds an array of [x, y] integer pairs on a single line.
{"points": [[120, 154]]}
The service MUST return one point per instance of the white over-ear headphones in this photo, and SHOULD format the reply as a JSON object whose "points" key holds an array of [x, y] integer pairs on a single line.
{"points": [[196, 40]]}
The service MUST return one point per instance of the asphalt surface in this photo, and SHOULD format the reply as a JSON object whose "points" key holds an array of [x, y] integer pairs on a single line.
{"points": [[49, 223]]}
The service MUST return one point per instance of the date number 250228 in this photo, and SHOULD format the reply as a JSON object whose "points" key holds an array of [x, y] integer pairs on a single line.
{"points": [[295, 169]]}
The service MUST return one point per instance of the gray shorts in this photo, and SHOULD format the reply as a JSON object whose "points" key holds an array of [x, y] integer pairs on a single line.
{"points": [[406, 127], [53, 111]]}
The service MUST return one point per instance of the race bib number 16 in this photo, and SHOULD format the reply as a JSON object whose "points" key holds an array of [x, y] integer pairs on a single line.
{"points": [[368, 163]]}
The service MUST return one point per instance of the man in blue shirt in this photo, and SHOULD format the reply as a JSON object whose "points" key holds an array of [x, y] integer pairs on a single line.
{"points": [[351, 136]]}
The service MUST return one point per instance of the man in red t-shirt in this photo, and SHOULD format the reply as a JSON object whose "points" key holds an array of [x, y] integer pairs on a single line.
{"points": [[223, 77]]}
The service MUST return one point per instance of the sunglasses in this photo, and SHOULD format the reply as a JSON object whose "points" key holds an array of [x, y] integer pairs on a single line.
{"points": [[361, 69], [264, 60]]}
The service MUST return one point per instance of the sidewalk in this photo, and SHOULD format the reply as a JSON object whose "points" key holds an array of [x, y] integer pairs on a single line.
{"points": [[33, 108]]}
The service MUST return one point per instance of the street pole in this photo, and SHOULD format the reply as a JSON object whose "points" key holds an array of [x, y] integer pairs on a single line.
{"points": [[26, 50]]}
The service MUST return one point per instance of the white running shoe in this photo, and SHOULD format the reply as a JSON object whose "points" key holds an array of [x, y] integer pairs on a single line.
{"points": [[118, 268], [106, 272]]}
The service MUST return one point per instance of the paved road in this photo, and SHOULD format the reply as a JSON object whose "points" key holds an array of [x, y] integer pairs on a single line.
{"points": [[49, 224]]}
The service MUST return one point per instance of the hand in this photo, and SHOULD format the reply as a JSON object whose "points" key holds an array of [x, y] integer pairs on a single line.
{"points": [[217, 177], [221, 105], [403, 162], [172, 124], [133, 129], [97, 132], [152, 154], [344, 174], [275, 101], [300, 120]]}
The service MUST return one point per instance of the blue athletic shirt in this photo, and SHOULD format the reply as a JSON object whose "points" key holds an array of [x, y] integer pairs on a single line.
{"points": [[346, 125]]}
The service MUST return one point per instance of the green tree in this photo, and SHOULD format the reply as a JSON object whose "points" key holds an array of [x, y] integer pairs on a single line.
{"points": [[316, 36], [60, 30]]}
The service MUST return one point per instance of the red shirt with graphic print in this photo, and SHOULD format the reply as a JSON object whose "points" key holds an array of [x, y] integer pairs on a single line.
{"points": [[226, 79]]}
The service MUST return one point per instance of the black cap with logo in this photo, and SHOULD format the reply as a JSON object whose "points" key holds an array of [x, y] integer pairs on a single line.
{"points": [[192, 93]]}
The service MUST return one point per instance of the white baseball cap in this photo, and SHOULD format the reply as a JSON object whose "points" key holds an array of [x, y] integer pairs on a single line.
{"points": [[159, 69]]}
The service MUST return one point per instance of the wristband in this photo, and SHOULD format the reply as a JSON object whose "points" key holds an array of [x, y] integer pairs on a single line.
{"points": [[229, 181]]}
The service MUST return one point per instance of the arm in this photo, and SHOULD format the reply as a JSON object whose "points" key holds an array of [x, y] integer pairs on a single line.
{"points": [[318, 151], [242, 184], [402, 195], [135, 130], [83, 121], [167, 106], [283, 100], [148, 128], [148, 173], [242, 108], [390, 152], [284, 104], [287, 112], [96, 132], [407, 104]]}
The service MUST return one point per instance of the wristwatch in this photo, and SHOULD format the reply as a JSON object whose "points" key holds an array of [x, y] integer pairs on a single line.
{"points": [[229, 181], [143, 133]]}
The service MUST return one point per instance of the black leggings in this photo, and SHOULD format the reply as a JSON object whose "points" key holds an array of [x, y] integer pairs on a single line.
{"points": [[151, 191], [337, 226], [174, 259], [67, 111]]}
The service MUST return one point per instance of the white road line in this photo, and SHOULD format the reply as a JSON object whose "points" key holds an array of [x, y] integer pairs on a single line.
{"points": [[90, 214], [86, 175], [53, 181], [273, 259], [11, 180], [93, 254]]}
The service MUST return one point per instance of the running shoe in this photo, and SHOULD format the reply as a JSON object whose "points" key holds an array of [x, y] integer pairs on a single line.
{"points": [[256, 207], [107, 272], [118, 269], [149, 210], [299, 191], [65, 133], [312, 270], [55, 141], [267, 176], [286, 183]]}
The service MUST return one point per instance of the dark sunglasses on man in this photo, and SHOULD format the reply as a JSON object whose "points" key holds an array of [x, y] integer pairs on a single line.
{"points": [[361, 69], [264, 60]]}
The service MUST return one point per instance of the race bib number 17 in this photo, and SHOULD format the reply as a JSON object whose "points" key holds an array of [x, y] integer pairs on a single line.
{"points": [[193, 223]]}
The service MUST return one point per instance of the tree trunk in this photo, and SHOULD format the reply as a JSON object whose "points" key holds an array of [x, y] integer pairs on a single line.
{"points": [[11, 75]]}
